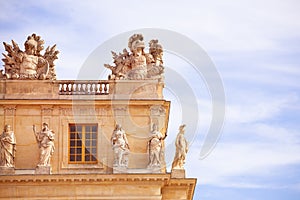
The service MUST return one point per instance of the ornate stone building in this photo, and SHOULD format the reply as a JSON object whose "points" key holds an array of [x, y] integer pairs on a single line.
{"points": [[93, 139]]}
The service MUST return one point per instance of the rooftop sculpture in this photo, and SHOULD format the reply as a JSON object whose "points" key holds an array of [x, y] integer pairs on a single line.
{"points": [[136, 64], [29, 64]]}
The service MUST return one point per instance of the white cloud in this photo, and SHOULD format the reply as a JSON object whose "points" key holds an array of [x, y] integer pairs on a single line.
{"points": [[231, 160], [249, 107]]}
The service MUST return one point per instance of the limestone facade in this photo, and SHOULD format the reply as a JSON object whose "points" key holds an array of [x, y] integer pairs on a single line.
{"points": [[86, 139]]}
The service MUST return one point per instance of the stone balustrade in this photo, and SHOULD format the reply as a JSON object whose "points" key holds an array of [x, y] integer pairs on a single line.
{"points": [[81, 87], [68, 89]]}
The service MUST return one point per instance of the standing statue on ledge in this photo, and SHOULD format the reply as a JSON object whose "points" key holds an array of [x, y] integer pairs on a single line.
{"points": [[45, 139], [7, 147], [155, 147], [181, 149], [29, 64], [120, 147]]}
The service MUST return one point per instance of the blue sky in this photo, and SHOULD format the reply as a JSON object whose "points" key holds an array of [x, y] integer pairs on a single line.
{"points": [[255, 47]]}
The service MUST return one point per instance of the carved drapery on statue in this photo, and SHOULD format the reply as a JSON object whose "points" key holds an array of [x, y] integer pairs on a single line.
{"points": [[7, 147], [136, 64], [181, 145], [29, 64], [155, 147], [120, 147], [45, 140]]}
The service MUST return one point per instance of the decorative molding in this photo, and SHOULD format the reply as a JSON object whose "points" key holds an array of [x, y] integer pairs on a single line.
{"points": [[157, 110], [9, 110], [120, 110], [46, 110], [82, 111], [84, 178]]}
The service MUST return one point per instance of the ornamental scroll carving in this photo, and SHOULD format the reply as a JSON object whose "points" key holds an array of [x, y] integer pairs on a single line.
{"points": [[136, 64], [29, 64], [9, 110]]}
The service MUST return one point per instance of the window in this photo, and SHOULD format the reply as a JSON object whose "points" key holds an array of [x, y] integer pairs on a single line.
{"points": [[83, 143]]}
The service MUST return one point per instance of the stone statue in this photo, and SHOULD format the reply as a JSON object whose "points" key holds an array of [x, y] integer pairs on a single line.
{"points": [[120, 147], [7, 147], [29, 64], [45, 139], [181, 149], [155, 147], [138, 65]]}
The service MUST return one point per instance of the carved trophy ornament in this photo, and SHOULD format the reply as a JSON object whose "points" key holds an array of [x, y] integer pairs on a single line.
{"points": [[181, 145], [45, 140], [29, 64], [136, 64], [120, 147], [7, 147]]}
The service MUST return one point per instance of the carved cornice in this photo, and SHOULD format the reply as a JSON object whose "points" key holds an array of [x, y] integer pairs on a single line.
{"points": [[83, 178]]}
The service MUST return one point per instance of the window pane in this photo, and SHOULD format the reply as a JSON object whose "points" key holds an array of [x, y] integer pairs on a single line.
{"points": [[72, 129], [87, 158], [94, 158], [94, 143], [79, 135], [72, 143], [94, 129], [78, 158], [72, 136], [72, 158], [78, 143], [87, 151], [94, 151], [79, 128], [87, 143], [72, 151], [79, 151], [94, 136], [87, 136]]}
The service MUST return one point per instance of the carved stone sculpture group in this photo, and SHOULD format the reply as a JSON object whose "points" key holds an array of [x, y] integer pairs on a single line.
{"points": [[44, 138], [29, 64], [136, 64]]}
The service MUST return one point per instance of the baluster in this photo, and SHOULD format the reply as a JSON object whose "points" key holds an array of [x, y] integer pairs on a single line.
{"points": [[65, 88], [88, 85], [74, 88], [100, 88], [105, 88], [93, 88], [83, 88], [96, 88], [59, 88]]}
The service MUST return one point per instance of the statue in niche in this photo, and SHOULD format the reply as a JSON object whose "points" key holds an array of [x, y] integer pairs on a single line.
{"points": [[29, 64], [120, 147], [181, 145], [136, 64], [45, 140], [7, 147], [155, 147]]}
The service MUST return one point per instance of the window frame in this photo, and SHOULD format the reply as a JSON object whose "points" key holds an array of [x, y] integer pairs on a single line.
{"points": [[84, 133]]}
